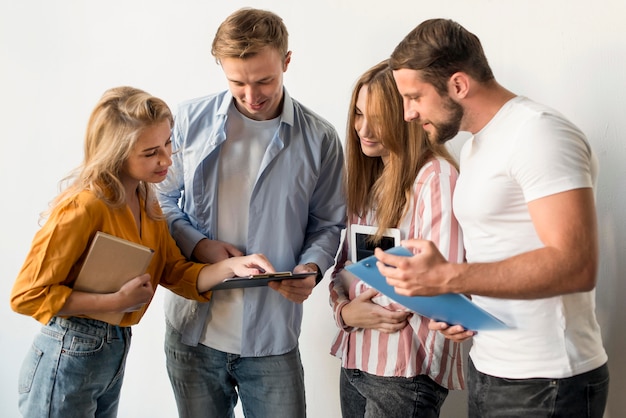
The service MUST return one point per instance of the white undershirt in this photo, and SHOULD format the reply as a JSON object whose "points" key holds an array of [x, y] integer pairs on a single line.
{"points": [[240, 159]]}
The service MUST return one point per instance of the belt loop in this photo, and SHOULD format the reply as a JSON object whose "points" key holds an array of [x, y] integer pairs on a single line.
{"points": [[118, 330], [114, 332]]}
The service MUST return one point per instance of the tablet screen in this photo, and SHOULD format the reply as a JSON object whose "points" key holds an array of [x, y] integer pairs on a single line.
{"points": [[365, 248], [362, 247]]}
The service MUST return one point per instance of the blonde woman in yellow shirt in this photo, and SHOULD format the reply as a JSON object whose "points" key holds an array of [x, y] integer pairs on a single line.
{"points": [[75, 366]]}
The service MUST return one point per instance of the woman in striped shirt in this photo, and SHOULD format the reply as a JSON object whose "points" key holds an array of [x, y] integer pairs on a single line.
{"points": [[392, 364]]}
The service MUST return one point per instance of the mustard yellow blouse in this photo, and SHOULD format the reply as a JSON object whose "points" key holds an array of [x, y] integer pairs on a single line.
{"points": [[60, 246]]}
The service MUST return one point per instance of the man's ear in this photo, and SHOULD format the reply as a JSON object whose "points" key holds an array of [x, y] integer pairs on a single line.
{"points": [[286, 61], [458, 85]]}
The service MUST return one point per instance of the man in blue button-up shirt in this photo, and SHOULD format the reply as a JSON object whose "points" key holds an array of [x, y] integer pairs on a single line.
{"points": [[254, 172]]}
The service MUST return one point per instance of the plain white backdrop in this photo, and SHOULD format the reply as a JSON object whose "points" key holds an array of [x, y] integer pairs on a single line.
{"points": [[57, 58]]}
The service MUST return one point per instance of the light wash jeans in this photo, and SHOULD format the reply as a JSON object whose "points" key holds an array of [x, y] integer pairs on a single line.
{"points": [[370, 396], [581, 396], [74, 369], [207, 382]]}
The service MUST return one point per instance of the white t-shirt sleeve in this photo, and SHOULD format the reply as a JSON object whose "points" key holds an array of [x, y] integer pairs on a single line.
{"points": [[553, 157]]}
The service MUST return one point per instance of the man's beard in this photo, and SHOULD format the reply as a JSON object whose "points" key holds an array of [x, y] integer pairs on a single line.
{"points": [[447, 130]]}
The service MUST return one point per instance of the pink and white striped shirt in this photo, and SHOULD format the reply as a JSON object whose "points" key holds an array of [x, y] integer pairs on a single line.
{"points": [[415, 349]]}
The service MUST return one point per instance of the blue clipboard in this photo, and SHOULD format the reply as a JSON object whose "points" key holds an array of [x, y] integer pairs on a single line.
{"points": [[452, 308]]}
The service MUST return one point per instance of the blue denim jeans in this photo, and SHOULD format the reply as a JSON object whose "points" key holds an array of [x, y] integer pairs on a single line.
{"points": [[581, 396], [74, 368], [366, 395], [208, 382]]}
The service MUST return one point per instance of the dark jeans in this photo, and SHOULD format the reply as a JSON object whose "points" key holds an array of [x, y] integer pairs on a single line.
{"points": [[370, 396], [579, 396]]}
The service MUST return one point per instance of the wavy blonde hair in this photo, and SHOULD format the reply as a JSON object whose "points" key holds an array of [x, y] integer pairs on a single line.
{"points": [[114, 126]]}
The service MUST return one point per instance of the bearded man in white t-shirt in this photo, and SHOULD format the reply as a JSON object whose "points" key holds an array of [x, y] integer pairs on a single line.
{"points": [[525, 202]]}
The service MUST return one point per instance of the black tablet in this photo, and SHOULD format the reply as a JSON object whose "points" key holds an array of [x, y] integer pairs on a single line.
{"points": [[259, 279]]}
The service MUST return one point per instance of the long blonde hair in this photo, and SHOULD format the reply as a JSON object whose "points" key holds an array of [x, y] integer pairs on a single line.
{"points": [[114, 126], [370, 184]]}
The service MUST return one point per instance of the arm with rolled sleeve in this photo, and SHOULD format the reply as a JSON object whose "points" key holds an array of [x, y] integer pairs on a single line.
{"points": [[169, 193], [45, 281]]}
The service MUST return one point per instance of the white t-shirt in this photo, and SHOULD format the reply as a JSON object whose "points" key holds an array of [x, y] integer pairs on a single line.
{"points": [[527, 151], [240, 160]]}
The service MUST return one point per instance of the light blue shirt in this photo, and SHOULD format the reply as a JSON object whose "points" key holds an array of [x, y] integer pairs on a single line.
{"points": [[296, 214]]}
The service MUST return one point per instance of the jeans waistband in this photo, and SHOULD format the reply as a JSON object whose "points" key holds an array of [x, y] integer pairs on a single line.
{"points": [[92, 327]]}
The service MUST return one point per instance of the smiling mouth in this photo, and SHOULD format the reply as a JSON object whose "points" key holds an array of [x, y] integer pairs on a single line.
{"points": [[256, 105], [369, 141]]}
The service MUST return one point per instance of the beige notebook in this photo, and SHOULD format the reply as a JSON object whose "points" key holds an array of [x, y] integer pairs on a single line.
{"points": [[111, 262]]}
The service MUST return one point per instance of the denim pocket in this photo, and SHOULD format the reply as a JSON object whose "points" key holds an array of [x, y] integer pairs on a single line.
{"points": [[28, 369], [597, 395], [77, 344]]}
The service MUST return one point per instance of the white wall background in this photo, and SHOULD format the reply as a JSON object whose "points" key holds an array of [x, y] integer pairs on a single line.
{"points": [[57, 57]]}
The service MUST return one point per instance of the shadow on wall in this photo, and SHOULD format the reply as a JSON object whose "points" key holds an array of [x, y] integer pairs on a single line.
{"points": [[611, 288]]}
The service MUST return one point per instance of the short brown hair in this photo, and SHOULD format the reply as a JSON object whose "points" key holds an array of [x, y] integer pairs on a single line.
{"points": [[439, 48], [247, 31]]}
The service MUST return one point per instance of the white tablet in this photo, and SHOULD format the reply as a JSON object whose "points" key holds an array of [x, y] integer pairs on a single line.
{"points": [[360, 247]]}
